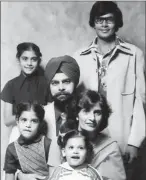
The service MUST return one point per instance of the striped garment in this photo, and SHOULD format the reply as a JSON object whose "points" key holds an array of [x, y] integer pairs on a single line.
{"points": [[65, 172], [32, 158]]}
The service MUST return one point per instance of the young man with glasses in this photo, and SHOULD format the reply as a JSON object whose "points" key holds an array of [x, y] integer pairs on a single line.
{"points": [[117, 71]]}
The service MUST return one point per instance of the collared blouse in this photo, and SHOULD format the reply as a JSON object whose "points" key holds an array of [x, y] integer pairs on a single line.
{"points": [[23, 88]]}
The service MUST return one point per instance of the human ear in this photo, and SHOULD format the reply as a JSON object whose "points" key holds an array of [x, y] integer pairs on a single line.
{"points": [[63, 152]]}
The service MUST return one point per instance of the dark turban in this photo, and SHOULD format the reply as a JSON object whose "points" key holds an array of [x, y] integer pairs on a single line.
{"points": [[65, 64]]}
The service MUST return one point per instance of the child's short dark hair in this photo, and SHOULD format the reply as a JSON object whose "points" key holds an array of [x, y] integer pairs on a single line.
{"points": [[74, 133], [39, 111], [100, 8]]}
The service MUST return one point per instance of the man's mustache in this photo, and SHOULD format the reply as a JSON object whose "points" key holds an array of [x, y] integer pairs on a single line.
{"points": [[62, 93]]}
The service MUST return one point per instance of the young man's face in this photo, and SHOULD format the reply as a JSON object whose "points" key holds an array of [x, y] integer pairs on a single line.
{"points": [[75, 151], [28, 124], [90, 120], [61, 87], [105, 26]]}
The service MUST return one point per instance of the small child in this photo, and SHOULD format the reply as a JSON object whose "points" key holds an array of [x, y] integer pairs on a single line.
{"points": [[29, 153], [77, 151]]}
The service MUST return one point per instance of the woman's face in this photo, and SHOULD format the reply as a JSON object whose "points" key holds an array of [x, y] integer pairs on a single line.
{"points": [[28, 62], [105, 26], [90, 120]]}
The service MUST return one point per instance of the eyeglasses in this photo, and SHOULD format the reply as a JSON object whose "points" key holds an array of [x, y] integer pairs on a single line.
{"points": [[109, 20]]}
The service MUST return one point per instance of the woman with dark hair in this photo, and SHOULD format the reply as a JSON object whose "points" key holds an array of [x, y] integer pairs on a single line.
{"points": [[29, 86], [93, 112], [116, 71]]}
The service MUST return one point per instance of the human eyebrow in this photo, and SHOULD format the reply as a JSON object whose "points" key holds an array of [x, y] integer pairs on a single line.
{"points": [[54, 82], [66, 80], [22, 119]]}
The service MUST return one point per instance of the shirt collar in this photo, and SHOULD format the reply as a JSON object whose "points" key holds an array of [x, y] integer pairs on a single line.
{"points": [[120, 44], [68, 167], [57, 112], [22, 78], [22, 141]]}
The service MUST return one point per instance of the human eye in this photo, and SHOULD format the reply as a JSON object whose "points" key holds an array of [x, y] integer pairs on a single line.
{"points": [[67, 81], [98, 112], [24, 58], [54, 83], [71, 147], [98, 20], [34, 59], [22, 120], [110, 20], [34, 121], [81, 148]]}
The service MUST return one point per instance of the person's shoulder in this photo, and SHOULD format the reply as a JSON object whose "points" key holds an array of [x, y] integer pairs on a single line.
{"points": [[93, 172], [82, 51], [106, 139], [42, 78], [12, 81], [11, 149], [104, 142], [130, 46], [11, 145]]}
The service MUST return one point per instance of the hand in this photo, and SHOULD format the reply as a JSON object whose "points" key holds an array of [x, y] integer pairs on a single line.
{"points": [[131, 153], [23, 176]]}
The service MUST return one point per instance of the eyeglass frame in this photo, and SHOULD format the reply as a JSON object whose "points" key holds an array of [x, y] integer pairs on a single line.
{"points": [[109, 20]]}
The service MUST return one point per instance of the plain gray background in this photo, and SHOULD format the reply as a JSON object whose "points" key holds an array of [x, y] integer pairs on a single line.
{"points": [[58, 28]]}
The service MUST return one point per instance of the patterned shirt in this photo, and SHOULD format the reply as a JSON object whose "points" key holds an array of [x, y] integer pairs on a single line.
{"points": [[66, 172], [29, 157]]}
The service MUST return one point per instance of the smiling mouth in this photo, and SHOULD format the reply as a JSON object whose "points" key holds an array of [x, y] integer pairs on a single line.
{"points": [[27, 130], [75, 157], [91, 124], [104, 31], [29, 68]]}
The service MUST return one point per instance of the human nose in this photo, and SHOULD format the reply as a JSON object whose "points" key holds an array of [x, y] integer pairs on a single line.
{"points": [[104, 23], [61, 87], [75, 151], [29, 62], [91, 116], [28, 124]]}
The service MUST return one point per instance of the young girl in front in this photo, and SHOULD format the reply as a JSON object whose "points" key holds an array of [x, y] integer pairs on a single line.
{"points": [[77, 151], [29, 153]]}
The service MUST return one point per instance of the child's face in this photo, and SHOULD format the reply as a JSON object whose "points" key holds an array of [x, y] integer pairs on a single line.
{"points": [[28, 62], [75, 151], [28, 124]]}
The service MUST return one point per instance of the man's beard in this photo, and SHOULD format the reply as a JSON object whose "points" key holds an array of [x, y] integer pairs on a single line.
{"points": [[62, 97]]}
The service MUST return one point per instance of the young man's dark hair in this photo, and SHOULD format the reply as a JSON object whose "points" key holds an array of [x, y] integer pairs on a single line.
{"points": [[101, 8]]}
